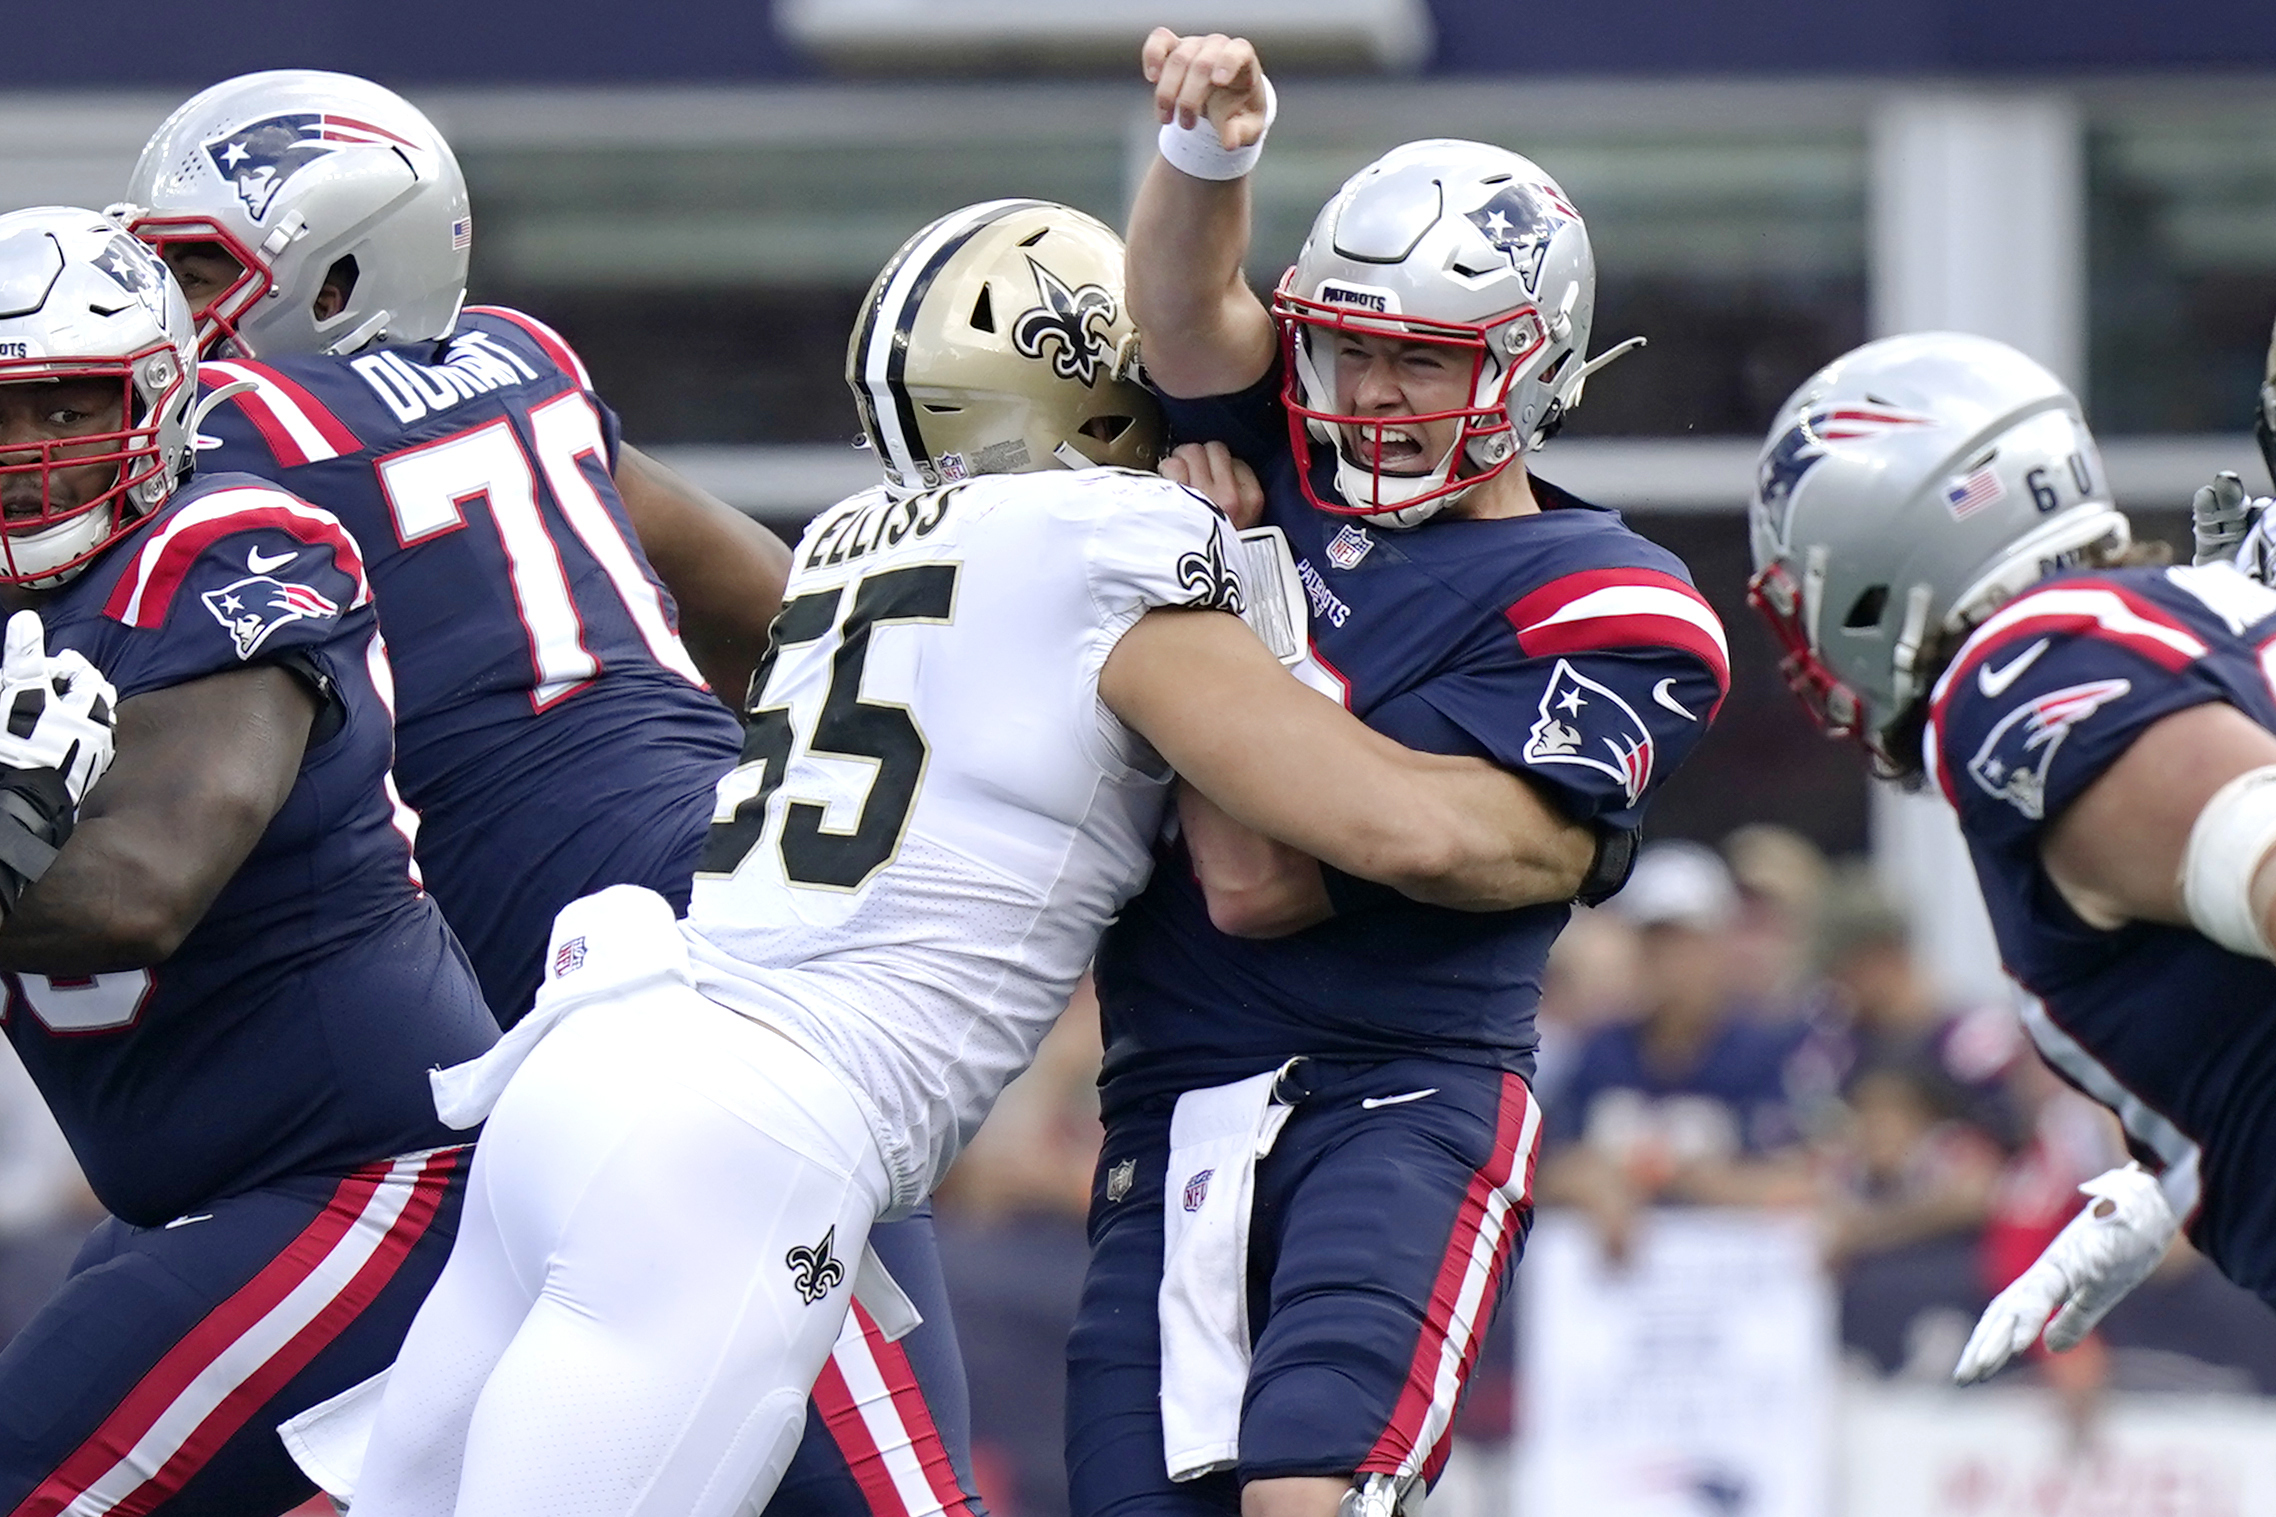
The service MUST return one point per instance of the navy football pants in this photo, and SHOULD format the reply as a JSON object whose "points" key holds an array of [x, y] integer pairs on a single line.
{"points": [[1381, 1245], [156, 1377]]}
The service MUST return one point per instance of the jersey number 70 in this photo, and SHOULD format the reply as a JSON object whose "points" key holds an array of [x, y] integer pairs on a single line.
{"points": [[848, 728]]}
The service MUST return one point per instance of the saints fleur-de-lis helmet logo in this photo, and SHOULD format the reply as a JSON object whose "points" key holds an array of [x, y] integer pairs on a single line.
{"points": [[814, 1271], [1071, 323]]}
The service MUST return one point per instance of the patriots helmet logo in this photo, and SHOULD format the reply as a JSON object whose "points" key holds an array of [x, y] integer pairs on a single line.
{"points": [[2012, 764], [1589, 725], [1801, 445], [256, 606], [1520, 224], [259, 157], [1069, 320]]}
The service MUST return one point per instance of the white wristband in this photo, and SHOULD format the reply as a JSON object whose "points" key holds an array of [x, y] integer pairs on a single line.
{"points": [[1195, 149], [2227, 843]]}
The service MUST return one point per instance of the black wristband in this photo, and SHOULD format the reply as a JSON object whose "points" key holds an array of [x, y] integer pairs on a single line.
{"points": [[1615, 860], [1350, 895], [36, 818]]}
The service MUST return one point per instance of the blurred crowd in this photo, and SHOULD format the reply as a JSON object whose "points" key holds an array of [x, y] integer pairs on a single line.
{"points": [[1750, 1026]]}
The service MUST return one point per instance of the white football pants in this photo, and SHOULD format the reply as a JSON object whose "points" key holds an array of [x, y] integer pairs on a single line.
{"points": [[624, 1329]]}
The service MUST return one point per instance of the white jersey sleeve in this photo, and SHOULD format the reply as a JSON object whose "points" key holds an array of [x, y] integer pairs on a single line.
{"points": [[936, 816]]}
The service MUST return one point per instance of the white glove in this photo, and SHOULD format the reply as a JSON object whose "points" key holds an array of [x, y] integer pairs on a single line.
{"points": [[2106, 1251], [55, 713], [2232, 527]]}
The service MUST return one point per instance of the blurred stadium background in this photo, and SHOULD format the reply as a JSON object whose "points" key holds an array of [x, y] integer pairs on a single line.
{"points": [[697, 194]]}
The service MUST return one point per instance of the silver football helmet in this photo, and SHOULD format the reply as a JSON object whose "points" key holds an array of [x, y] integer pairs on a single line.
{"points": [[1453, 243], [81, 299], [1905, 491], [297, 172]]}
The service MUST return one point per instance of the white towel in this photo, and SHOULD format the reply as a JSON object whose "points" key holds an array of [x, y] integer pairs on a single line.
{"points": [[1216, 1138], [607, 945]]}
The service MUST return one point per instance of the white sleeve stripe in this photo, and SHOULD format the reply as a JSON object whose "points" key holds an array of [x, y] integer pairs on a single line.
{"points": [[220, 504], [286, 410], [2108, 610], [1637, 600]]}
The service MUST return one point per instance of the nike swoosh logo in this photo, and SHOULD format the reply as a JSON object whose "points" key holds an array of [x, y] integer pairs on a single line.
{"points": [[1373, 1102], [1994, 682], [186, 1221], [261, 563], [1660, 694]]}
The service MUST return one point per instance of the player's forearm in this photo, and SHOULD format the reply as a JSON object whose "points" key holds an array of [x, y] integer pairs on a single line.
{"points": [[1485, 840], [1255, 887], [202, 770], [724, 570], [1202, 330]]}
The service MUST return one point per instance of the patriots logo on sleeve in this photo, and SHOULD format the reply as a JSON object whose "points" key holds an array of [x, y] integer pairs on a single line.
{"points": [[2012, 763], [1585, 723], [256, 606], [258, 158]]}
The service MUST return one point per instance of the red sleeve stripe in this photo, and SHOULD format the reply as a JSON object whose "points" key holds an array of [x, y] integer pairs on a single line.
{"points": [[556, 347], [1621, 608], [145, 592], [2109, 612], [294, 423], [2104, 611]]}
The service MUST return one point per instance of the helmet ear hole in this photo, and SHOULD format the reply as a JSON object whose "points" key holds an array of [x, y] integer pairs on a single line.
{"points": [[1106, 428], [1865, 611], [984, 312]]}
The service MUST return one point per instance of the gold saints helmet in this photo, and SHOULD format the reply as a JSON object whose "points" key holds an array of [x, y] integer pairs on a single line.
{"points": [[996, 342]]}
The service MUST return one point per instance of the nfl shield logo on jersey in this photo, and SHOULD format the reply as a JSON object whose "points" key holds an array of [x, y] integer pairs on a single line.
{"points": [[256, 606], [2012, 763], [1584, 723], [1119, 1179], [1197, 1190], [569, 957], [1349, 546]]}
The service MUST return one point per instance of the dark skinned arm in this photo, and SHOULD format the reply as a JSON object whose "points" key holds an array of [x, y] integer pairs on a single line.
{"points": [[202, 768], [725, 570]]}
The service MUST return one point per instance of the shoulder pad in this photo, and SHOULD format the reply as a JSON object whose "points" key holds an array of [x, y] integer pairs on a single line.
{"points": [[144, 591]]}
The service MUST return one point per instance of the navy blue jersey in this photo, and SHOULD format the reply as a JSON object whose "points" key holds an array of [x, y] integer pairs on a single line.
{"points": [[2174, 1033], [292, 1030], [552, 733], [1560, 645]]}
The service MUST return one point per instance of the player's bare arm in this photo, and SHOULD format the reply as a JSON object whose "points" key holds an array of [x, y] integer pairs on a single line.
{"points": [[202, 767], [1456, 832], [1203, 328], [1256, 888], [725, 570], [2116, 854]]}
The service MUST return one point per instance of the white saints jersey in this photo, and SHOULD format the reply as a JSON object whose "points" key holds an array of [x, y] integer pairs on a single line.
{"points": [[936, 817]]}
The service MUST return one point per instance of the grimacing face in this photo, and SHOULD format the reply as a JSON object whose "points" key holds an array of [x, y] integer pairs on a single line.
{"points": [[1388, 377], [37, 411]]}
